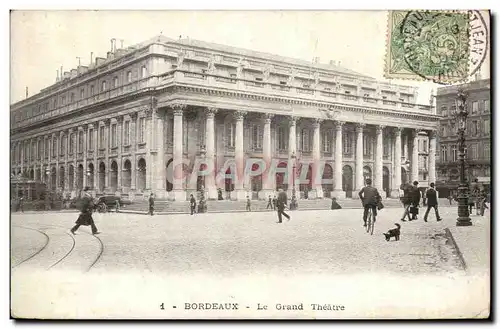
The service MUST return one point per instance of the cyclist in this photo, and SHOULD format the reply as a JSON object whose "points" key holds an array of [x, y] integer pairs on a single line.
{"points": [[369, 197]]}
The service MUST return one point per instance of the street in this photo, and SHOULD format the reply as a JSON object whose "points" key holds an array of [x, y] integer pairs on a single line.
{"points": [[229, 247]]}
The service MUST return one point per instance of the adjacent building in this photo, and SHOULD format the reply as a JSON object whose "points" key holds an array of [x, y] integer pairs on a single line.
{"points": [[117, 124], [478, 135]]}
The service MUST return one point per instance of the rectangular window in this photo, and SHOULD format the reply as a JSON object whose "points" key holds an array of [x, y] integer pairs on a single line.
{"points": [[143, 72], [63, 100], [113, 135], [126, 132], [129, 76], [283, 83], [92, 90], [474, 152], [444, 153], [454, 153], [91, 139], [103, 86], [305, 140], [46, 150], [367, 145], [72, 97], [80, 141], [231, 135], [54, 146], [82, 93], [72, 143], [453, 110], [63, 145], [101, 137], [347, 143], [327, 141], [444, 111], [486, 105], [486, 126], [475, 106], [142, 129], [487, 151], [474, 128], [115, 82], [282, 138], [386, 150], [257, 144]]}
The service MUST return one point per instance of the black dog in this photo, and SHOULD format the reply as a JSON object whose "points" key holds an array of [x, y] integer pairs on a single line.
{"points": [[395, 232]]}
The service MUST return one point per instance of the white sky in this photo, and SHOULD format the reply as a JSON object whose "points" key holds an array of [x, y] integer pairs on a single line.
{"points": [[42, 41]]}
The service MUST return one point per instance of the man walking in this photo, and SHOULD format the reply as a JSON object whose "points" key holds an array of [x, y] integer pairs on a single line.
{"points": [[432, 202], [269, 203], [415, 200], [192, 203], [151, 204], [275, 202], [85, 218], [406, 200], [248, 204], [281, 203]]}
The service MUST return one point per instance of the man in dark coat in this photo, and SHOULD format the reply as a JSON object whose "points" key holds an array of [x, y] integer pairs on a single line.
{"points": [[432, 202], [192, 203], [415, 200], [85, 218], [406, 200], [275, 202], [370, 197], [281, 203], [335, 204], [151, 204], [269, 203]]}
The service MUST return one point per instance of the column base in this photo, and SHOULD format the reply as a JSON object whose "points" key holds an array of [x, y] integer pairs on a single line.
{"points": [[395, 193], [264, 194], [239, 195], [178, 195], [316, 194], [161, 194], [211, 193], [339, 194]]}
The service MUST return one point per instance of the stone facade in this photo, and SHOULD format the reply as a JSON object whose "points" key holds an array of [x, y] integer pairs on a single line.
{"points": [[478, 134], [117, 126]]}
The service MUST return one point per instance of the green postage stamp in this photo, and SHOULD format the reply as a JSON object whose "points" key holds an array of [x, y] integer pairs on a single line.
{"points": [[440, 46]]}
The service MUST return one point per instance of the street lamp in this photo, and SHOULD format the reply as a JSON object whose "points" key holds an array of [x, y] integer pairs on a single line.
{"points": [[293, 201], [463, 209]]}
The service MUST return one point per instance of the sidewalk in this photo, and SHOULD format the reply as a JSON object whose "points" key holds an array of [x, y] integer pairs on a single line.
{"points": [[473, 244]]}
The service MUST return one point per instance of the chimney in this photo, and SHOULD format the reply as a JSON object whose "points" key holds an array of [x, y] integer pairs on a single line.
{"points": [[338, 63], [332, 62], [110, 55], [91, 57], [316, 60], [112, 42], [66, 75], [73, 73], [57, 75], [121, 43], [82, 69], [26, 91], [99, 60]]}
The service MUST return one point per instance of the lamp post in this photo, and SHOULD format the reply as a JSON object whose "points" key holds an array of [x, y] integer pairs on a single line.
{"points": [[293, 201], [463, 209]]}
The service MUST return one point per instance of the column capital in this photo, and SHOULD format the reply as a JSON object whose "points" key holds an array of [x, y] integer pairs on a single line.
{"points": [[119, 119], [359, 127], [292, 120], [379, 129], [432, 133], [133, 115], [397, 131], [268, 117], [210, 112], [317, 122], [178, 108], [239, 115], [339, 125], [107, 121]]}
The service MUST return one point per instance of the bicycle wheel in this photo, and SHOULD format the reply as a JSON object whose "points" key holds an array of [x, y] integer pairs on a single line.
{"points": [[372, 221], [369, 221]]}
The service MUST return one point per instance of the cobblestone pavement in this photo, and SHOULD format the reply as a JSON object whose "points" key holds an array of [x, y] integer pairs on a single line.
{"points": [[229, 244], [139, 261]]}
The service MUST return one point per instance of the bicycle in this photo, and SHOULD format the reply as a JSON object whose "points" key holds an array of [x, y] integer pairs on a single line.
{"points": [[370, 222]]}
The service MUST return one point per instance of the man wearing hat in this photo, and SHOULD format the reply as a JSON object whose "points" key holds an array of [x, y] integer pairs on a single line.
{"points": [[85, 217]]}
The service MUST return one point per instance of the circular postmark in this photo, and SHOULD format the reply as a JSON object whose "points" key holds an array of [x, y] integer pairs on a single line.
{"points": [[444, 47]]}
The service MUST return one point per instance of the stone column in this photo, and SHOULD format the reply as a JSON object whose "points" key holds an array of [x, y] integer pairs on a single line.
{"points": [[414, 156], [66, 165], [378, 183], [359, 160], [268, 176], [292, 151], [133, 147], [96, 153], [210, 152], [338, 192], [160, 173], [432, 157], [119, 162], [55, 152], [85, 149], [107, 145], [405, 147], [317, 188], [178, 192], [239, 154], [396, 182]]}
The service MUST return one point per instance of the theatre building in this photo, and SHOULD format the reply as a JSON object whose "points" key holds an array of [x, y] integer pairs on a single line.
{"points": [[118, 123]]}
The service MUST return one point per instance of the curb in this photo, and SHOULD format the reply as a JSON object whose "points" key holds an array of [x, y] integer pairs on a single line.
{"points": [[450, 237]]}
